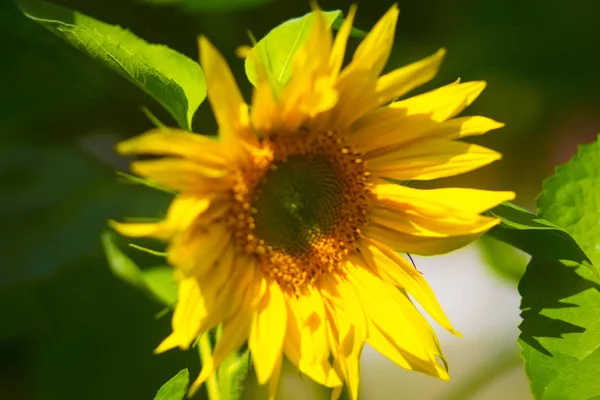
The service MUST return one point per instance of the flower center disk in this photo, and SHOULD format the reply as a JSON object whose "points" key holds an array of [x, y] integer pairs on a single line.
{"points": [[298, 203], [299, 208]]}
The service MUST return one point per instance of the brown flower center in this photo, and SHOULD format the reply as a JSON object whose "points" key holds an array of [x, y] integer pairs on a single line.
{"points": [[300, 206]]}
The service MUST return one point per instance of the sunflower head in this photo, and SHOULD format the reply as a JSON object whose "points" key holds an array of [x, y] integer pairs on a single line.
{"points": [[286, 229]]}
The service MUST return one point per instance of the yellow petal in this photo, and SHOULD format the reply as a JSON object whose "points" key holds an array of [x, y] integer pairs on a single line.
{"points": [[268, 331], [356, 96], [183, 211], [386, 128], [338, 50], [313, 56], [310, 314], [305, 343], [465, 126], [155, 230], [373, 52], [235, 332], [402, 80], [175, 142], [229, 108], [204, 302], [347, 330], [443, 103], [435, 213], [430, 159], [392, 268], [310, 91], [407, 330], [189, 312], [379, 307], [357, 82], [421, 245], [265, 115], [169, 343], [415, 221], [182, 175], [472, 201], [273, 383], [195, 251], [384, 344], [389, 127]]}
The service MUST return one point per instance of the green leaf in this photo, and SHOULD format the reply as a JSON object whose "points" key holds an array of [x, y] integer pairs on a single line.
{"points": [[162, 284], [171, 78], [157, 282], [175, 388], [121, 265], [277, 49], [560, 332], [534, 235], [571, 198]]}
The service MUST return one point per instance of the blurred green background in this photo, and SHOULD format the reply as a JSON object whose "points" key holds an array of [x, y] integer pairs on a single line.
{"points": [[69, 329]]}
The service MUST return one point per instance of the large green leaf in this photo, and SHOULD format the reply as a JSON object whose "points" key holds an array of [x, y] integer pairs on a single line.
{"points": [[560, 336], [278, 47], [175, 388], [535, 235], [171, 78]]}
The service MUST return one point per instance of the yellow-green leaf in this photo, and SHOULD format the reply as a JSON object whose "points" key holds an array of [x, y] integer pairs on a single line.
{"points": [[276, 50], [175, 388], [157, 282]]}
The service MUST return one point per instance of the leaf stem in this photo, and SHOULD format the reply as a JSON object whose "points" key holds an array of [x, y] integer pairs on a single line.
{"points": [[205, 350]]}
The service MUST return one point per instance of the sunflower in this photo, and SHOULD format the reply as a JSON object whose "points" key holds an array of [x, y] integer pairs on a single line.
{"points": [[285, 230]]}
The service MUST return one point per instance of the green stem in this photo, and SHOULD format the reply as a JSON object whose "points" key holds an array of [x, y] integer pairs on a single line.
{"points": [[205, 350], [485, 375]]}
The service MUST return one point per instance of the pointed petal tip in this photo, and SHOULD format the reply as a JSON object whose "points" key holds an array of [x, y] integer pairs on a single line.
{"points": [[205, 374], [142, 229], [169, 343], [205, 48], [509, 195], [314, 6], [390, 17], [243, 52], [122, 147], [202, 40], [392, 14], [455, 332], [113, 224], [479, 85], [496, 124], [193, 389]]}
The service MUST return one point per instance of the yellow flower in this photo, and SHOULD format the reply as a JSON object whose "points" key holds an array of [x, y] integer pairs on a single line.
{"points": [[285, 229]]}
